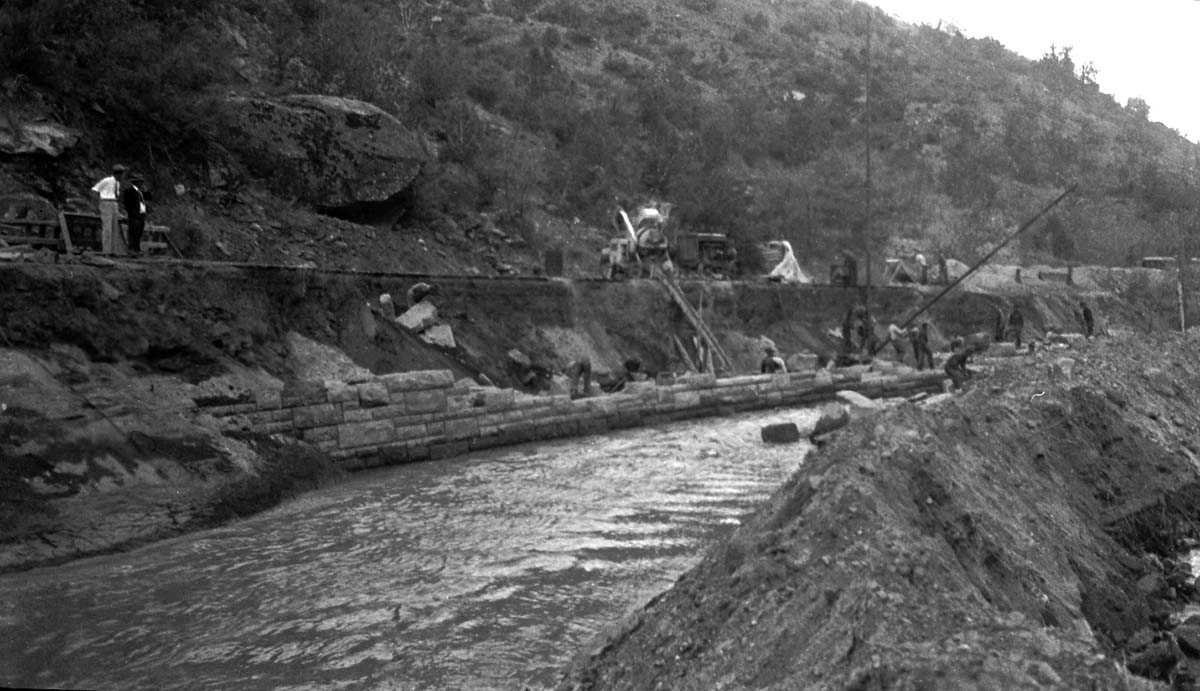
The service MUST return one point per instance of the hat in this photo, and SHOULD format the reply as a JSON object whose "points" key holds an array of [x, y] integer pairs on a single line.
{"points": [[118, 168]]}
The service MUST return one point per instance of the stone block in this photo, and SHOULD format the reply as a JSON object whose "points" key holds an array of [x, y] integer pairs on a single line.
{"points": [[780, 433], [440, 335], [317, 415], [460, 403], [697, 380], [640, 388], [462, 428], [449, 449], [268, 399], [341, 392], [356, 434], [319, 434], [687, 399], [858, 400], [417, 381], [282, 427], [498, 398], [392, 411], [373, 394], [833, 416], [302, 393], [426, 401], [227, 410], [358, 415], [419, 317], [409, 432]]}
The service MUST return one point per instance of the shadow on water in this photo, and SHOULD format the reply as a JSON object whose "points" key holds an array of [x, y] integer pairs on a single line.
{"points": [[482, 572]]}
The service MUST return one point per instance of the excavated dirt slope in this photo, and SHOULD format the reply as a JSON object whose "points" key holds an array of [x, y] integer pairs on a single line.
{"points": [[1000, 539]]}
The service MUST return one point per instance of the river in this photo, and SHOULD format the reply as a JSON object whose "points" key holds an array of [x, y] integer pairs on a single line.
{"points": [[482, 572]]}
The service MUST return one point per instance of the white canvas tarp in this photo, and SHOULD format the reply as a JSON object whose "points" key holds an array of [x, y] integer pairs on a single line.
{"points": [[788, 269]]}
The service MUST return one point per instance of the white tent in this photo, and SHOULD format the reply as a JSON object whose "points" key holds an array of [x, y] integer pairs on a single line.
{"points": [[788, 269]]}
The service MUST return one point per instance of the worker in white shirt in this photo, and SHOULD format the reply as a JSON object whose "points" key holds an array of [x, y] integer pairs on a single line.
{"points": [[109, 191]]}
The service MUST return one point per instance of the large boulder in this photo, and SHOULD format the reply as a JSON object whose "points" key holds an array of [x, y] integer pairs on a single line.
{"points": [[330, 152]]}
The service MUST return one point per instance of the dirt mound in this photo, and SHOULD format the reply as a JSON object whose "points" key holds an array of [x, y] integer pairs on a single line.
{"points": [[994, 540]]}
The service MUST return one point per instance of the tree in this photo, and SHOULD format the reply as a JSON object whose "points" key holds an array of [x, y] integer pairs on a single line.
{"points": [[1138, 107]]}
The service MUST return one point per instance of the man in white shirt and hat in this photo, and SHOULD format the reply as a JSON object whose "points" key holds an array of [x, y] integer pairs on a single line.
{"points": [[109, 192]]}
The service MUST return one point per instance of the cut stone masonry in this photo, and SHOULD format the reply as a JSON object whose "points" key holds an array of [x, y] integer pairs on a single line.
{"points": [[414, 416]]}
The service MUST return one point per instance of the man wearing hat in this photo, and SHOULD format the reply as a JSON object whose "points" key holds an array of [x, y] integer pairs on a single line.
{"points": [[134, 203], [109, 190], [772, 363]]}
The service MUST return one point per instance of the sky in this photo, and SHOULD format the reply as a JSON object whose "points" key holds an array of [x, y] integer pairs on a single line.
{"points": [[1148, 49]]}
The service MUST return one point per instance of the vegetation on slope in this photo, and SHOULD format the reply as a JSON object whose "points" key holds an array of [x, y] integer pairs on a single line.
{"points": [[749, 116]]}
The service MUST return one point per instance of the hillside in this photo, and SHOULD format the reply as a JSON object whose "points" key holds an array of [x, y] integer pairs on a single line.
{"points": [[519, 124]]}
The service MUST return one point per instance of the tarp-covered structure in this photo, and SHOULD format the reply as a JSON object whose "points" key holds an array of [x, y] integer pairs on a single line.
{"points": [[788, 269]]}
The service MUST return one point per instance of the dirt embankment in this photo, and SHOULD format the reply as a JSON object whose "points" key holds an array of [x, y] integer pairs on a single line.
{"points": [[98, 458], [1014, 537]]}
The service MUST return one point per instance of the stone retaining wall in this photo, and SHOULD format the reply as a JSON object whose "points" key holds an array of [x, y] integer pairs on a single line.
{"points": [[414, 416]]}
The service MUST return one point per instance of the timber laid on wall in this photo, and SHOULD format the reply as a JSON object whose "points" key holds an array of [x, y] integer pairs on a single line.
{"points": [[414, 416]]}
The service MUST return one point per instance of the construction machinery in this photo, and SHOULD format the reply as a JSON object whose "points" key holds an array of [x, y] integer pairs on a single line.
{"points": [[642, 247]]}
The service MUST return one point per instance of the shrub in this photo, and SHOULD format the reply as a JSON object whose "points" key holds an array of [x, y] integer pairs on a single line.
{"points": [[566, 13]]}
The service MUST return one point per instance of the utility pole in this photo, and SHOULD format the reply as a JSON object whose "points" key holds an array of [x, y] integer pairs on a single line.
{"points": [[866, 239]]}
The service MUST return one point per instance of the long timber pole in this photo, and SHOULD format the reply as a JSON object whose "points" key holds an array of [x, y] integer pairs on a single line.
{"points": [[866, 239], [1025, 226]]}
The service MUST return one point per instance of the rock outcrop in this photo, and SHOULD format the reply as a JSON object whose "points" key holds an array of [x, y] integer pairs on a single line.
{"points": [[32, 137], [333, 153]]}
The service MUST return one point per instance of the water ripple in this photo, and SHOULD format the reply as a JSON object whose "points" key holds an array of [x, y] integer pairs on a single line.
{"points": [[477, 573]]}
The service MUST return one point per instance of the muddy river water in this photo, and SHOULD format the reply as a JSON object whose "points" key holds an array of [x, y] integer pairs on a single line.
{"points": [[484, 572]]}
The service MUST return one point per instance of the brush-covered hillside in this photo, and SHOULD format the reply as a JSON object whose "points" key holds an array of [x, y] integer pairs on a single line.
{"points": [[501, 128]]}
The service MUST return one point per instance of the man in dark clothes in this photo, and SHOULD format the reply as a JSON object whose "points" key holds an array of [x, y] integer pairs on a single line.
{"points": [[921, 349], [133, 200], [865, 327], [1016, 323], [1089, 324], [581, 369], [956, 364], [772, 363], [848, 332]]}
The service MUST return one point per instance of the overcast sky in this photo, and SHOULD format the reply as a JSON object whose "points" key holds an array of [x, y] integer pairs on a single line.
{"points": [[1147, 49]]}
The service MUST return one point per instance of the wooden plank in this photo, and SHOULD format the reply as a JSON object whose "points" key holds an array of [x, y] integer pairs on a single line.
{"points": [[64, 234], [683, 351], [30, 240], [30, 222]]}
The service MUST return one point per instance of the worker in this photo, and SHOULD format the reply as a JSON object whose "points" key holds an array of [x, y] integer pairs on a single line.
{"points": [[772, 363], [866, 330], [419, 292], [956, 364], [631, 371], [1016, 324], [1089, 323], [848, 332], [580, 369], [921, 349], [897, 336]]}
